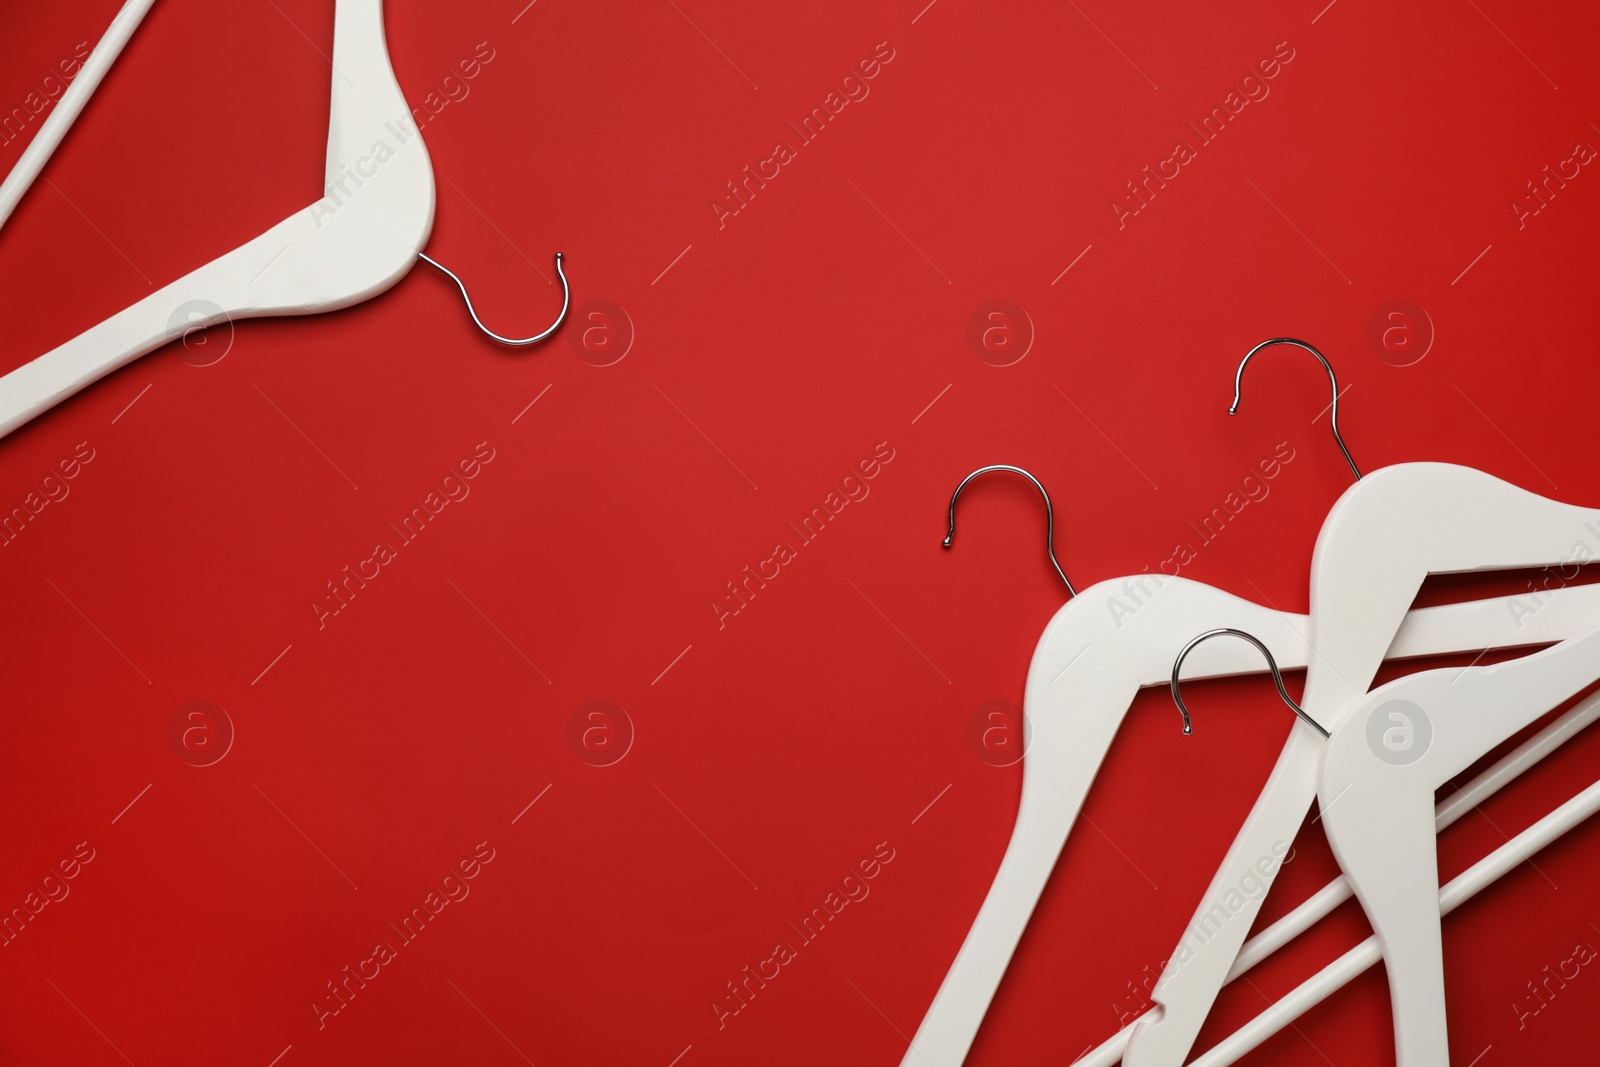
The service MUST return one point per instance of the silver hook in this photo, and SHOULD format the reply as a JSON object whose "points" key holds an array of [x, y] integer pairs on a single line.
{"points": [[1333, 419], [566, 297], [1049, 516], [1277, 678]]}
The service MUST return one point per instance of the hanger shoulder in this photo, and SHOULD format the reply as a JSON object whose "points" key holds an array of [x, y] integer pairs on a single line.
{"points": [[1096, 653], [1380, 772], [1150, 631], [1077, 693], [357, 241], [1395, 527], [1383, 537], [1091, 659]]}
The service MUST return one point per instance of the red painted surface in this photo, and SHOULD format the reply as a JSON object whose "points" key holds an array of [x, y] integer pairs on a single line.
{"points": [[379, 753]]}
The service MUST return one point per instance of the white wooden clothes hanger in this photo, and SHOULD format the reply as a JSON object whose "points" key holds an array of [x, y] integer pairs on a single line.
{"points": [[1323, 902], [1398, 735], [1383, 765], [1088, 666], [364, 235], [1508, 857], [1382, 538]]}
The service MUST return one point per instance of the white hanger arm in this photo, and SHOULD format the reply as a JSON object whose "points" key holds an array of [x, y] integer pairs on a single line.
{"points": [[1384, 536], [1383, 766], [77, 93], [1502, 861], [354, 243], [1323, 902], [1448, 812], [1090, 662]]}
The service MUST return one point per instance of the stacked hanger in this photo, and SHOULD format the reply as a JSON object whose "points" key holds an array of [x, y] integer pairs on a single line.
{"points": [[361, 238], [1387, 750]]}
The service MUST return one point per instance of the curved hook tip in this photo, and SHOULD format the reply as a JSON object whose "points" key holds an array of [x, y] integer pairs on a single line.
{"points": [[1333, 382], [1272, 665], [1049, 515], [515, 342]]}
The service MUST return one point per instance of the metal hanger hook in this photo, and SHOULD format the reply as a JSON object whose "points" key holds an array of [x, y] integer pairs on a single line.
{"points": [[1333, 415], [1049, 516], [566, 299], [1277, 678]]}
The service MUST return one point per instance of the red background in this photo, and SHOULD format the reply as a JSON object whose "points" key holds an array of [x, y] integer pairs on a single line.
{"points": [[824, 318]]}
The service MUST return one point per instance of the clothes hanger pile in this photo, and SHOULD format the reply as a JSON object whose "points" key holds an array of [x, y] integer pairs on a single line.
{"points": [[362, 237], [1372, 758], [1388, 749]]}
